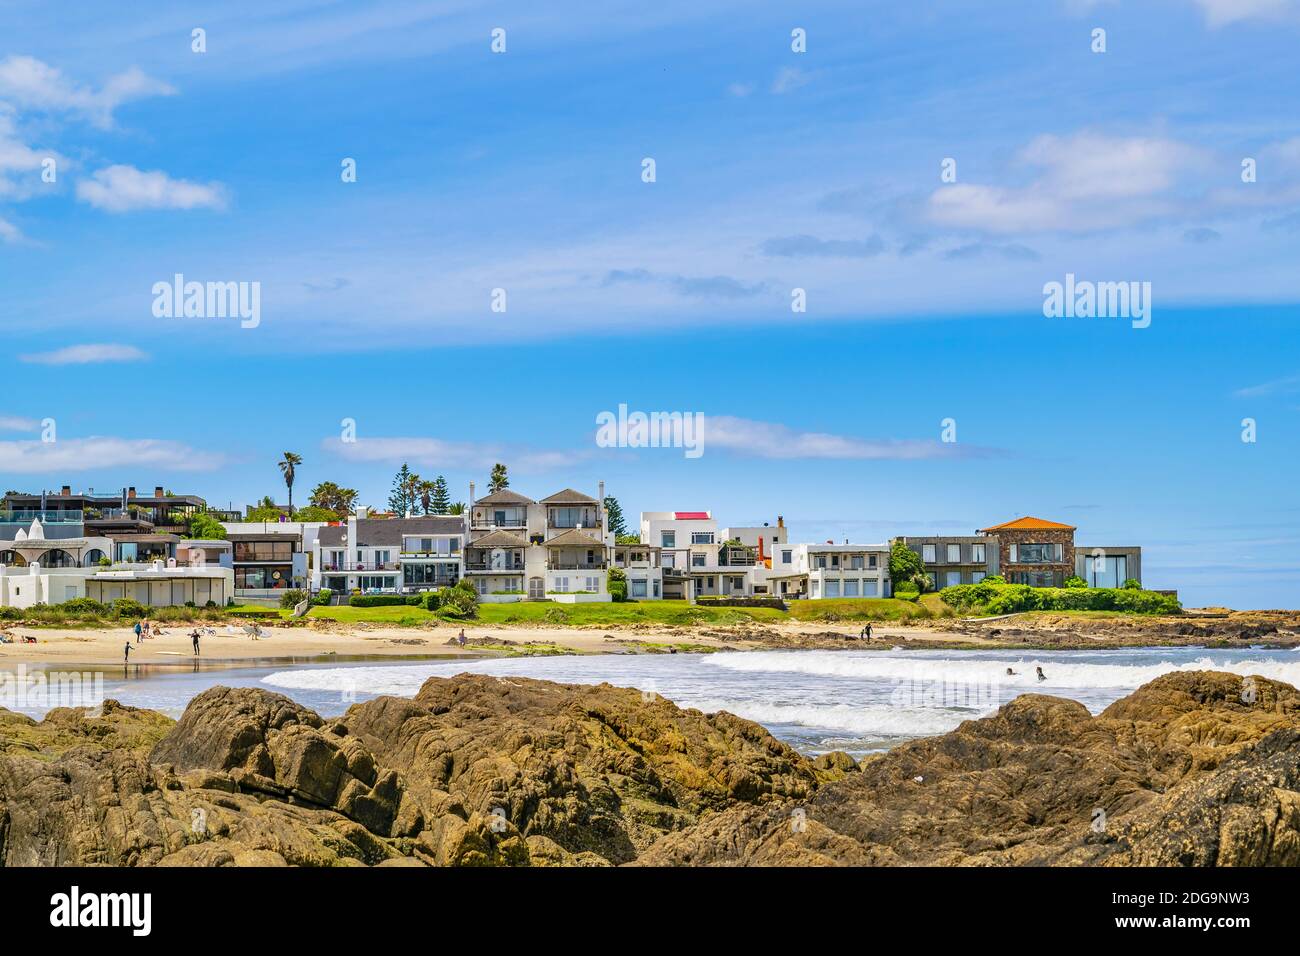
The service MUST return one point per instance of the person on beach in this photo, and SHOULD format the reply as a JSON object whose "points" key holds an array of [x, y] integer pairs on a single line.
{"points": [[145, 629], [1011, 673], [461, 638], [138, 631], [194, 639], [1041, 675], [868, 630], [126, 653]]}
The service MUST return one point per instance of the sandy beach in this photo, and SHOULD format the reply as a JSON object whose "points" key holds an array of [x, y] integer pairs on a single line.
{"points": [[106, 645]]}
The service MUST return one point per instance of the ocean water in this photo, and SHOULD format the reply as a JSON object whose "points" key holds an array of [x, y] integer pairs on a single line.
{"points": [[859, 701]]}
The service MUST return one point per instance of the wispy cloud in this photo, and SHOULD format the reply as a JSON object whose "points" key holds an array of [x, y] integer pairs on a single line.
{"points": [[85, 355], [789, 78], [88, 454], [723, 287], [1278, 386], [760, 439], [14, 423], [438, 453], [32, 84], [811, 246], [126, 189]]}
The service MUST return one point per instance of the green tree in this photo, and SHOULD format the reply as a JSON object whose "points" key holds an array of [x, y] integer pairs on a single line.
{"points": [[403, 496], [905, 566], [424, 490], [332, 497], [289, 468], [316, 513], [615, 512], [441, 497], [456, 508], [264, 513], [203, 525], [499, 480]]}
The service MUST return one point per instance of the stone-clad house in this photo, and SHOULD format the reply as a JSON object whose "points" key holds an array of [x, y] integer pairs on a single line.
{"points": [[1034, 551]]}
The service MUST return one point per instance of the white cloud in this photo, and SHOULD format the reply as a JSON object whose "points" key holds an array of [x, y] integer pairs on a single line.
{"points": [[86, 354], [13, 423], [1220, 12], [1087, 182], [86, 454], [789, 78], [772, 440], [1280, 386], [434, 452], [740, 89], [27, 82], [125, 188], [9, 232]]}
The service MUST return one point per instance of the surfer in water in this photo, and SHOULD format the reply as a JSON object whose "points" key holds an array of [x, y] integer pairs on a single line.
{"points": [[1041, 675]]}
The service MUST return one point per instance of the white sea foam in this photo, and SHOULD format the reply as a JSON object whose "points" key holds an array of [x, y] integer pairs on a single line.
{"points": [[859, 720], [1060, 672]]}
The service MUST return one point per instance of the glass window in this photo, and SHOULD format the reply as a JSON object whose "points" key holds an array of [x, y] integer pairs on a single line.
{"points": [[977, 576], [636, 588], [669, 539], [1037, 553], [701, 537], [832, 589], [951, 578], [870, 588], [851, 587], [954, 554], [927, 553], [977, 552], [697, 559], [857, 563], [787, 557]]}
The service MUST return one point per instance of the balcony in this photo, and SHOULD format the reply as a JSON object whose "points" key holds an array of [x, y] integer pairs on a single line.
{"points": [[345, 568], [571, 565], [495, 567]]}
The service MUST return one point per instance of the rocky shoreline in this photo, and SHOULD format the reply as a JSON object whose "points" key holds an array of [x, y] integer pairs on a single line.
{"points": [[1193, 769]]}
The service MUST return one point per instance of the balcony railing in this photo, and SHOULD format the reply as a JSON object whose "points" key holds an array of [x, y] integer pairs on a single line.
{"points": [[45, 517], [360, 566], [575, 565], [503, 566]]}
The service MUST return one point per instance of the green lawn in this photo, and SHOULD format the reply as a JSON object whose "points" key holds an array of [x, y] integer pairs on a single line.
{"points": [[399, 615]]}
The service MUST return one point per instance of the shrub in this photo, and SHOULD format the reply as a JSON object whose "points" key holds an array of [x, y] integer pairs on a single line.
{"points": [[11, 613], [85, 606], [1014, 598], [1131, 584], [322, 598], [617, 584], [292, 598], [414, 600], [432, 600], [459, 601], [126, 607], [994, 579], [1074, 581], [378, 600]]}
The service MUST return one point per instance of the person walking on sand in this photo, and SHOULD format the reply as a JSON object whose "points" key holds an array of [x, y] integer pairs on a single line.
{"points": [[868, 630], [126, 653], [138, 631], [194, 639], [461, 638]]}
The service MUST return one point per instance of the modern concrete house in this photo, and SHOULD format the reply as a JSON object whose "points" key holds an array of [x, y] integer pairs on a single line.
{"points": [[1108, 567], [389, 555], [701, 560], [953, 560], [830, 571], [1034, 551], [640, 564]]}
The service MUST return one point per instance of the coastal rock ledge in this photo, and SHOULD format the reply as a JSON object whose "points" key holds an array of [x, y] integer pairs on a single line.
{"points": [[1193, 769]]}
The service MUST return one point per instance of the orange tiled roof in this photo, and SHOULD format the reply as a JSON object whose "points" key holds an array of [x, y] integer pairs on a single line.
{"points": [[1028, 523]]}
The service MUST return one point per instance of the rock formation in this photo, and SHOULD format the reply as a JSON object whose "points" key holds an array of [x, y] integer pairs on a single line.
{"points": [[1192, 769]]}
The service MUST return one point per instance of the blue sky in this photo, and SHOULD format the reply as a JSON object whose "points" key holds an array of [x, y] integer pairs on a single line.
{"points": [[775, 170]]}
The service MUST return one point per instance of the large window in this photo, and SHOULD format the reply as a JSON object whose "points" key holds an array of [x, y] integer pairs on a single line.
{"points": [[429, 575], [927, 553], [1037, 553], [701, 537], [573, 517], [263, 578], [1106, 572], [637, 587], [851, 587], [977, 552], [668, 539], [954, 554], [832, 589], [248, 551], [698, 559]]}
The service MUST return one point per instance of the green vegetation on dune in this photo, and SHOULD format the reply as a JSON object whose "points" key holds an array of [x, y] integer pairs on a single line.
{"points": [[859, 609]]}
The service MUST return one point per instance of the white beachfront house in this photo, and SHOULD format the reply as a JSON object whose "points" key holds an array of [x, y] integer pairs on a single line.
{"points": [[554, 549], [388, 555], [157, 584], [700, 560], [640, 564], [830, 571]]}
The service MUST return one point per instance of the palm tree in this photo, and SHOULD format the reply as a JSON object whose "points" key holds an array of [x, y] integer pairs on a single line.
{"points": [[288, 466], [426, 495]]}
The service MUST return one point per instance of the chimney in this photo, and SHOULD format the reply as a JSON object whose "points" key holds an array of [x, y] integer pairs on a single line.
{"points": [[67, 491], [471, 492], [158, 492], [780, 521], [130, 492]]}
